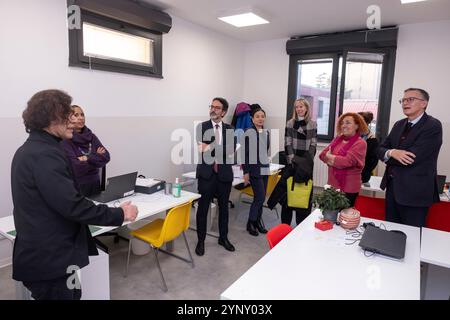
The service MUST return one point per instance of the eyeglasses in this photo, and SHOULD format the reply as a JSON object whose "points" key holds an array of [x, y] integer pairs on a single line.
{"points": [[215, 107], [409, 100]]}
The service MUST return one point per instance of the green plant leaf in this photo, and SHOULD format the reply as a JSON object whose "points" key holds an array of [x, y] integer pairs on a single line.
{"points": [[331, 199]]}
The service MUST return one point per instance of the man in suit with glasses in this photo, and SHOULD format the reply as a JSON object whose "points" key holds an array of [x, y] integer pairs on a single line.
{"points": [[217, 145], [410, 152]]}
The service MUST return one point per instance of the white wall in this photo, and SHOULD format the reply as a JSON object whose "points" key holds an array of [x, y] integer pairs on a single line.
{"points": [[133, 116], [422, 61], [266, 80], [196, 63], [266, 75]]}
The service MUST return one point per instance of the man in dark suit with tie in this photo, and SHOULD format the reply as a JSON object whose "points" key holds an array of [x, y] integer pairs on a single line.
{"points": [[216, 144], [410, 152]]}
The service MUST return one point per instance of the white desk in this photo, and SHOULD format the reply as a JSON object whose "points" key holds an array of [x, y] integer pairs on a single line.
{"points": [[314, 264], [94, 278], [375, 182], [148, 205], [435, 247], [274, 167], [435, 251]]}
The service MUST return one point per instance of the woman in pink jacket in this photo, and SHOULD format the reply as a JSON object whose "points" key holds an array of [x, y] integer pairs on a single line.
{"points": [[345, 155]]}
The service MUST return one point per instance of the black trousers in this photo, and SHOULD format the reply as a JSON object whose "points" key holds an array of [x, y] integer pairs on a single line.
{"points": [[57, 289], [300, 213], [210, 188], [259, 186], [395, 212]]}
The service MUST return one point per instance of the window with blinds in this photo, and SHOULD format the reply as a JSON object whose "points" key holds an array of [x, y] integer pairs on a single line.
{"points": [[104, 43]]}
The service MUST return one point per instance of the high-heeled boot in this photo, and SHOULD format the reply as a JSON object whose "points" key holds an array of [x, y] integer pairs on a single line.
{"points": [[251, 228], [260, 226]]}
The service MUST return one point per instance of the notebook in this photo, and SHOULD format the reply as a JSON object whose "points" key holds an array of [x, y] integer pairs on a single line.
{"points": [[117, 187], [389, 243]]}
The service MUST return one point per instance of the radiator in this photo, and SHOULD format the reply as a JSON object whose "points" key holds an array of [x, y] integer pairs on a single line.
{"points": [[320, 173]]}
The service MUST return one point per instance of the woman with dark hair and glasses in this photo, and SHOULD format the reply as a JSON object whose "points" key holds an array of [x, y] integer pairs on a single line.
{"points": [[87, 155], [256, 168]]}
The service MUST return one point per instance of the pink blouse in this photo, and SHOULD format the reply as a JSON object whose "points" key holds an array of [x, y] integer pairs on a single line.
{"points": [[352, 163]]}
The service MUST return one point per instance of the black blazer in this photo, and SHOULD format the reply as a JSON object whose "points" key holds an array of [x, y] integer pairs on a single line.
{"points": [[252, 163], [51, 217], [415, 185], [223, 153], [371, 159]]}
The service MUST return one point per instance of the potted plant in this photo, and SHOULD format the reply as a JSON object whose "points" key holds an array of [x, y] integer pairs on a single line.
{"points": [[330, 202]]}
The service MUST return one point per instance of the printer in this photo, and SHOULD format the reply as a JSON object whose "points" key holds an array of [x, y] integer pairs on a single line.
{"points": [[149, 185]]}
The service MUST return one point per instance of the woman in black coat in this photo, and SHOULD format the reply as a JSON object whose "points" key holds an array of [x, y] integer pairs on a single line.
{"points": [[256, 168], [372, 146]]}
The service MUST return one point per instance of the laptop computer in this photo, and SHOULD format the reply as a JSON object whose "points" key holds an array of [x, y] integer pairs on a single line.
{"points": [[441, 183], [116, 188], [389, 243]]}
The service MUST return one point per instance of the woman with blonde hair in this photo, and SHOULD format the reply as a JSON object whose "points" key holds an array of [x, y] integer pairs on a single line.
{"points": [[345, 155], [300, 148]]}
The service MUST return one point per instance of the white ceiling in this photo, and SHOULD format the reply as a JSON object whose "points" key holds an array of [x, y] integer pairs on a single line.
{"points": [[302, 17]]}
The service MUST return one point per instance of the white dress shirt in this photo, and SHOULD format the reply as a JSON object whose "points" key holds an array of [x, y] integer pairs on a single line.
{"points": [[220, 130]]}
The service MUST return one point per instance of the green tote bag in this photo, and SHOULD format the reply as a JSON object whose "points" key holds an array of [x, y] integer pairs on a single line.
{"points": [[298, 197]]}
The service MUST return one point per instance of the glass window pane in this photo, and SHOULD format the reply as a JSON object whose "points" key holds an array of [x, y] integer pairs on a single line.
{"points": [[104, 43], [362, 83], [314, 84]]}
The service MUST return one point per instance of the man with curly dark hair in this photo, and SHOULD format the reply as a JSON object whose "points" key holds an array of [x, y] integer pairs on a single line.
{"points": [[50, 215]]}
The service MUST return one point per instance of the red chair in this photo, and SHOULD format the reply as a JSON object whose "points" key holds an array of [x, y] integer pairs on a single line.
{"points": [[277, 233], [439, 216], [371, 207]]}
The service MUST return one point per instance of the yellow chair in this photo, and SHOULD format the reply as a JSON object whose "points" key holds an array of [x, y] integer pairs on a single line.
{"points": [[160, 231], [272, 181]]}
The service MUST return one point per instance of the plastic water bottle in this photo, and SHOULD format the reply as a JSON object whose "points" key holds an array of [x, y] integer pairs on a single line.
{"points": [[176, 189]]}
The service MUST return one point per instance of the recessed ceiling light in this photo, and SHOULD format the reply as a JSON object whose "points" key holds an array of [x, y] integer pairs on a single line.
{"points": [[244, 20], [411, 1]]}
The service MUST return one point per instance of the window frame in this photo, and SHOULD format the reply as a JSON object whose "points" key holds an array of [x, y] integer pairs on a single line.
{"points": [[78, 59], [293, 85], [320, 111], [326, 45], [385, 95]]}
